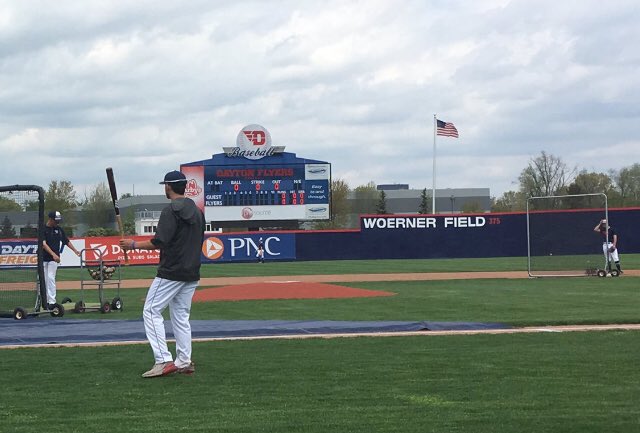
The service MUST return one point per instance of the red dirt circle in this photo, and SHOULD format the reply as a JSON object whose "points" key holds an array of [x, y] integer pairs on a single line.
{"points": [[283, 290]]}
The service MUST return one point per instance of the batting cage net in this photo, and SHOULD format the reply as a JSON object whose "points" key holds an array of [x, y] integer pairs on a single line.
{"points": [[560, 236], [21, 237]]}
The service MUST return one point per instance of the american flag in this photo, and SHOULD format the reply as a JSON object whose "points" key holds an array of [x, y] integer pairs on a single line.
{"points": [[447, 129]]}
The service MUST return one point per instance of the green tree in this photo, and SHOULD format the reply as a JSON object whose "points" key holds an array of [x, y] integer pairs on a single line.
{"points": [[60, 196], [381, 206], [365, 198], [510, 201], [8, 205], [100, 232], [425, 203], [472, 207], [545, 175], [589, 183], [33, 205], [6, 229], [129, 222], [628, 182], [29, 231], [340, 208], [98, 207], [614, 199]]}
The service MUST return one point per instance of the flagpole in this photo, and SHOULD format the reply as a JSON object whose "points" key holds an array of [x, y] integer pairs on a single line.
{"points": [[433, 186]]}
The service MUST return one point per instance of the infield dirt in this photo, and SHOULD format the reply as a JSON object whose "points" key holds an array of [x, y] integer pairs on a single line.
{"points": [[341, 278]]}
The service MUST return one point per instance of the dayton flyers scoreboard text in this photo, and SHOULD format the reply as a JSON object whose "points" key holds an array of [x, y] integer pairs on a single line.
{"points": [[263, 192]]}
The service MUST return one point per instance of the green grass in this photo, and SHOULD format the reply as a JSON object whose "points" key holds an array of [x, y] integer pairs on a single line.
{"points": [[560, 382], [513, 301], [330, 267], [574, 382]]}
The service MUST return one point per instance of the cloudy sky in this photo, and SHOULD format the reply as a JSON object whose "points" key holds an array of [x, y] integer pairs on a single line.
{"points": [[146, 85]]}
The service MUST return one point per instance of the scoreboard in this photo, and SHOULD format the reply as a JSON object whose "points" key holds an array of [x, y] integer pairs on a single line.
{"points": [[254, 191]]}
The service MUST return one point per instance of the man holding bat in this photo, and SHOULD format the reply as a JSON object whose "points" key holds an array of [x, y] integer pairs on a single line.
{"points": [[179, 238]]}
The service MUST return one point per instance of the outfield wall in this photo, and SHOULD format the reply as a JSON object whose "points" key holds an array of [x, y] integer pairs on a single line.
{"points": [[386, 237], [470, 236]]}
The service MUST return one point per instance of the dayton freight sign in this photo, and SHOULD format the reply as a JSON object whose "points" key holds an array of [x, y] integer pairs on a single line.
{"points": [[18, 253]]}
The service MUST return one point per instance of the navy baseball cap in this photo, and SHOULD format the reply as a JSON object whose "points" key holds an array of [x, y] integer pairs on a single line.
{"points": [[174, 176], [55, 215]]}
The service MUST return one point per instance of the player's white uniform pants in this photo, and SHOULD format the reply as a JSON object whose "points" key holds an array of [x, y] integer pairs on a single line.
{"points": [[177, 295], [613, 256], [50, 269]]}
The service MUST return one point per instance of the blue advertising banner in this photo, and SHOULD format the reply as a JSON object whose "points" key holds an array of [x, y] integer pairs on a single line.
{"points": [[398, 237], [470, 236], [239, 247]]}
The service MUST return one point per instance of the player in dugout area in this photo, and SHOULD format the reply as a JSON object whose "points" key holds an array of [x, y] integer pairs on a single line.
{"points": [[609, 244], [55, 240]]}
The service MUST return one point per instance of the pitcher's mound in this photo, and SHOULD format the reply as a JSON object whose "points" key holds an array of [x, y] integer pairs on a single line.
{"points": [[282, 290]]}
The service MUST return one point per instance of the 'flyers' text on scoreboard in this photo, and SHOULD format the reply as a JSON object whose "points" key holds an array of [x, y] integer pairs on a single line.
{"points": [[289, 191]]}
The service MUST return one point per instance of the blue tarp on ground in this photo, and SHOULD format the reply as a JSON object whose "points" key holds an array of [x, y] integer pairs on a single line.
{"points": [[52, 331]]}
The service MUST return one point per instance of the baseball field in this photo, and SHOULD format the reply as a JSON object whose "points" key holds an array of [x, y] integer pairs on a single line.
{"points": [[543, 380]]}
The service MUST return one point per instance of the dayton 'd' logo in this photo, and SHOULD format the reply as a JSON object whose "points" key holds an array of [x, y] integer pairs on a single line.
{"points": [[258, 138], [253, 142]]}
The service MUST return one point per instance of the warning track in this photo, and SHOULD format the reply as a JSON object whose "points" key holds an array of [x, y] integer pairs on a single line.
{"points": [[342, 278]]}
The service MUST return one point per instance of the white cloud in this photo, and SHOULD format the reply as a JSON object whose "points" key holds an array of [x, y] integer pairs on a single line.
{"points": [[144, 86]]}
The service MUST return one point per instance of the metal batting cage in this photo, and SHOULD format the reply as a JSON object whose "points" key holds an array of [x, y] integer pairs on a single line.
{"points": [[21, 237]]}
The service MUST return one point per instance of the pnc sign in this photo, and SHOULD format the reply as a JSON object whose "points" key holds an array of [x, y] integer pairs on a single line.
{"points": [[253, 142]]}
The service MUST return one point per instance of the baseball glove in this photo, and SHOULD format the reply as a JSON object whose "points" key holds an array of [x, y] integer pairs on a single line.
{"points": [[612, 249]]}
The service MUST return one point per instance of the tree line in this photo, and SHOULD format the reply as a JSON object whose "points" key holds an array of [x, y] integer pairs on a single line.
{"points": [[545, 175], [548, 175], [60, 195]]}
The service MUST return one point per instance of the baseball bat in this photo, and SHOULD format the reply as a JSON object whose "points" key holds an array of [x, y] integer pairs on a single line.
{"points": [[114, 197]]}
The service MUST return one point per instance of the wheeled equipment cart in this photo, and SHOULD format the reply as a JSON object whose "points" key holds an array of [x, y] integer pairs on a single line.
{"points": [[103, 277]]}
